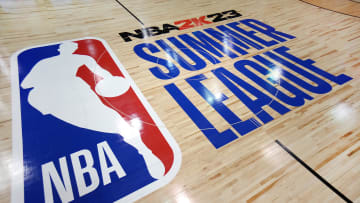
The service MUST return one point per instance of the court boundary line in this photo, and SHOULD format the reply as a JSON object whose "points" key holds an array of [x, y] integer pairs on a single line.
{"points": [[341, 195], [329, 9], [130, 12]]}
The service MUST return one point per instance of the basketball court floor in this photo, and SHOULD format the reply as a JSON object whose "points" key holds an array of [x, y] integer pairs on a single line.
{"points": [[214, 101]]}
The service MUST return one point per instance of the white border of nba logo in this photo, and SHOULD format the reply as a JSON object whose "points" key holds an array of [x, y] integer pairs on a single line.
{"points": [[17, 182]]}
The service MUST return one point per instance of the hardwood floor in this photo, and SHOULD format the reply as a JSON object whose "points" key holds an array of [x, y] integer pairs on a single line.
{"points": [[323, 132]]}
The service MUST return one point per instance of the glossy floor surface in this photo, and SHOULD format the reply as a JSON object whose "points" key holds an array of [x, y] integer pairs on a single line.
{"points": [[323, 133]]}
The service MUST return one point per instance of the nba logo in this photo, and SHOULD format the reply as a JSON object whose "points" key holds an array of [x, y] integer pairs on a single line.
{"points": [[82, 130]]}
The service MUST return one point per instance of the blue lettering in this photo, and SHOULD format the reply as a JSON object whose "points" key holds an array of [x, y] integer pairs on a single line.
{"points": [[173, 71], [234, 34], [321, 86], [215, 137], [199, 63], [297, 100], [228, 40], [267, 30], [254, 105], [242, 127], [205, 46], [341, 79], [251, 34]]}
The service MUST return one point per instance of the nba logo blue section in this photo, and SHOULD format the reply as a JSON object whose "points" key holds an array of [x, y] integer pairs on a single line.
{"points": [[67, 159]]}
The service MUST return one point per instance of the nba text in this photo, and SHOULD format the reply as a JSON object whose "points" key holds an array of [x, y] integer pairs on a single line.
{"points": [[81, 170], [179, 25], [287, 81]]}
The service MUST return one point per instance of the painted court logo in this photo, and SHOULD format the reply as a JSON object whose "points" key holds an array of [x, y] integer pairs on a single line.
{"points": [[82, 130]]}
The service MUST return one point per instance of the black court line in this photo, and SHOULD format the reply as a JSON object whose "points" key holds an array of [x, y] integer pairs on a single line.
{"points": [[314, 172], [330, 9], [130, 12]]}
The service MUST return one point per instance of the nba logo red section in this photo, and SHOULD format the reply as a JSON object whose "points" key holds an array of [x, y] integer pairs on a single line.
{"points": [[82, 130]]}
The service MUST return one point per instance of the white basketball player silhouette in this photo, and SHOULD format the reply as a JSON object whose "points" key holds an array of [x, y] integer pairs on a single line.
{"points": [[59, 92]]}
